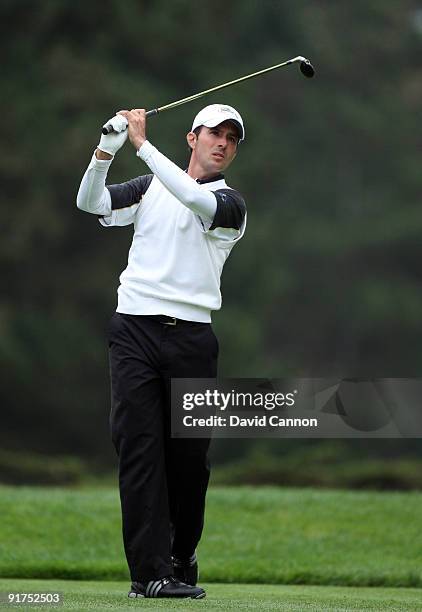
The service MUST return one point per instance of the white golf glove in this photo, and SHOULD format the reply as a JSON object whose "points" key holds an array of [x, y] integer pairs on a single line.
{"points": [[115, 140]]}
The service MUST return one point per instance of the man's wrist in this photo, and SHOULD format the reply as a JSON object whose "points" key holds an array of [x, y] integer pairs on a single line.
{"points": [[103, 155], [139, 142]]}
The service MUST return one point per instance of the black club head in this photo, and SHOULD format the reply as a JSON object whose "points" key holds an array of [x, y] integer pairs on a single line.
{"points": [[307, 69]]}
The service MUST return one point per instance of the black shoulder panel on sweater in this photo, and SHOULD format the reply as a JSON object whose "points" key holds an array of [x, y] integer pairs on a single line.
{"points": [[130, 192], [231, 209]]}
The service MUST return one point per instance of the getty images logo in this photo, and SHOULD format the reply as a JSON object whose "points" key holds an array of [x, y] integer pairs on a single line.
{"points": [[235, 399]]}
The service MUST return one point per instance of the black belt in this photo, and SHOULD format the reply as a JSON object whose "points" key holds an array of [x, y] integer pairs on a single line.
{"points": [[165, 320]]}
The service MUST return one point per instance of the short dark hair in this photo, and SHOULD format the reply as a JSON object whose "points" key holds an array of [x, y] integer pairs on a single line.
{"points": [[196, 131]]}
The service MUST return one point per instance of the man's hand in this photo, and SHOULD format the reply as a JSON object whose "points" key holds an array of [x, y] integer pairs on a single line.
{"points": [[112, 142], [136, 119]]}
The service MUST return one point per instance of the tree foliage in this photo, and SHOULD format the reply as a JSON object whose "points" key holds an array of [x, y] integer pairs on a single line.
{"points": [[326, 281]]}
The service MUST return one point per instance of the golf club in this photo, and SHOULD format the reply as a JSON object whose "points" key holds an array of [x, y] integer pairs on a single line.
{"points": [[305, 66]]}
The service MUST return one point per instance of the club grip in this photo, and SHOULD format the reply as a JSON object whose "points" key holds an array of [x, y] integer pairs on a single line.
{"points": [[108, 128]]}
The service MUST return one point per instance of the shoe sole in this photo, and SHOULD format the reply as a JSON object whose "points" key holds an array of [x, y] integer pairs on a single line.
{"points": [[135, 595]]}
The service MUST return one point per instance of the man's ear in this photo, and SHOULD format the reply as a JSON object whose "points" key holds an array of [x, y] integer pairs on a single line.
{"points": [[191, 138]]}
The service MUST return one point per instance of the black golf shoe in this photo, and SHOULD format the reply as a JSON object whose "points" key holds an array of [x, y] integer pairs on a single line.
{"points": [[166, 587], [186, 570]]}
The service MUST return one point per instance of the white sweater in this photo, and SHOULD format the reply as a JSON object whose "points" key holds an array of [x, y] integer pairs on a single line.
{"points": [[178, 252]]}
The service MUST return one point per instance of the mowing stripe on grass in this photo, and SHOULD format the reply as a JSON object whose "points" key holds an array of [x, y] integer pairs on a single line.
{"points": [[265, 535], [86, 596]]}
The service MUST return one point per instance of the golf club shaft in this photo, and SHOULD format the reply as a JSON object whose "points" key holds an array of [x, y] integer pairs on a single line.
{"points": [[108, 128], [218, 87]]}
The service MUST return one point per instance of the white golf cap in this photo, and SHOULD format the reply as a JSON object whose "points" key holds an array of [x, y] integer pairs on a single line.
{"points": [[214, 114]]}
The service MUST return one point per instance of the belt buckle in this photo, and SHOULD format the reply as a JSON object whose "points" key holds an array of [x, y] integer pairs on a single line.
{"points": [[172, 322]]}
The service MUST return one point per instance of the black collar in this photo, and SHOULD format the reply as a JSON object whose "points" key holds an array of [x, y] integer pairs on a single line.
{"points": [[219, 177]]}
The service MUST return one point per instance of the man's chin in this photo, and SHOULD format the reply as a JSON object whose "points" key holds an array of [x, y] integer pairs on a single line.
{"points": [[218, 165]]}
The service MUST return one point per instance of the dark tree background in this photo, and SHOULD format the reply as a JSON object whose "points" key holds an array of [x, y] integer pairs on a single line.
{"points": [[326, 282]]}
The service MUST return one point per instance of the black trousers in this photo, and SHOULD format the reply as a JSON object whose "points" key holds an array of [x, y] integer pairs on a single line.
{"points": [[162, 481]]}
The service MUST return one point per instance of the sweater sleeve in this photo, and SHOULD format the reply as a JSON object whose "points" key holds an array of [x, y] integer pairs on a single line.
{"points": [[202, 202], [129, 193], [115, 205], [92, 196], [231, 209]]}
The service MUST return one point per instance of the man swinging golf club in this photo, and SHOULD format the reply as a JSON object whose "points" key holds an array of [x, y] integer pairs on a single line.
{"points": [[185, 225]]}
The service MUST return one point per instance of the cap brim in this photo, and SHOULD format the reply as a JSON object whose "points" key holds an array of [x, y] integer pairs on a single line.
{"points": [[214, 122]]}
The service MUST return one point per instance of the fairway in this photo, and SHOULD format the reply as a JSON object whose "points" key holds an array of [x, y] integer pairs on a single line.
{"points": [[252, 535], [112, 595]]}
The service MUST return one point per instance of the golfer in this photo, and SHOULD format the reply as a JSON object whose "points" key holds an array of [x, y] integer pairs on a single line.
{"points": [[185, 225]]}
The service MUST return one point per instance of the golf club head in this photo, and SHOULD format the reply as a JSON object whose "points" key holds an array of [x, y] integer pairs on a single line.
{"points": [[307, 69]]}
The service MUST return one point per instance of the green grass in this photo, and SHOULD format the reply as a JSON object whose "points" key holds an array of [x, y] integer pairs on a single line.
{"points": [[262, 535], [112, 596]]}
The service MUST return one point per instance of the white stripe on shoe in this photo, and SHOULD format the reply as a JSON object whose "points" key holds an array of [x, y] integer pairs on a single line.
{"points": [[153, 587]]}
